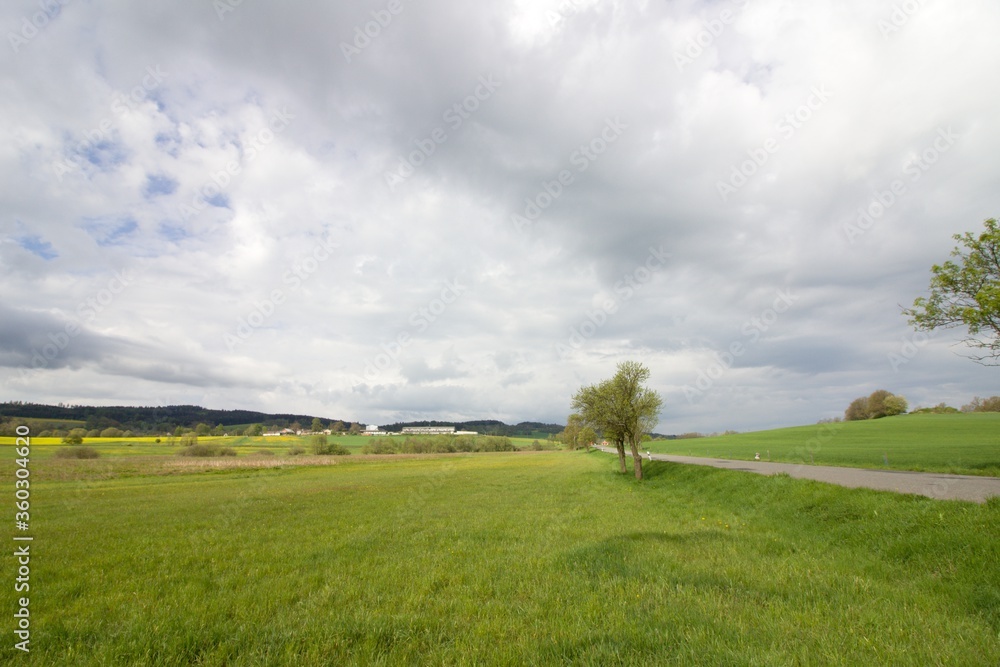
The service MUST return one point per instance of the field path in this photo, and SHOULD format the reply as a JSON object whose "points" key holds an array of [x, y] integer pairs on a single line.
{"points": [[940, 486]]}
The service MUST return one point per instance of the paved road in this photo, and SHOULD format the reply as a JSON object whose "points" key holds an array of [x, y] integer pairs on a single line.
{"points": [[940, 486]]}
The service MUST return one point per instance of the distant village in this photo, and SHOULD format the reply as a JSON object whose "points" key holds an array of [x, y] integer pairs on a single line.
{"points": [[374, 430]]}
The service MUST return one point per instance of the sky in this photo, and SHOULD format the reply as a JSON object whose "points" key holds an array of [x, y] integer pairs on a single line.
{"points": [[398, 210]]}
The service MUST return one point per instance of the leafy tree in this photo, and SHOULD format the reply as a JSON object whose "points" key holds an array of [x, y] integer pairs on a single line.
{"points": [[189, 439], [881, 403], [337, 427], [587, 437], [876, 403], [203, 429], [991, 404], [355, 429], [966, 293], [254, 430], [857, 410], [622, 408], [73, 439], [111, 433], [895, 405], [569, 435], [317, 425]]}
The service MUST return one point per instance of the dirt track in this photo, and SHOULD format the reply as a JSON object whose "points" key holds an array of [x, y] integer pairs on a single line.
{"points": [[940, 486]]}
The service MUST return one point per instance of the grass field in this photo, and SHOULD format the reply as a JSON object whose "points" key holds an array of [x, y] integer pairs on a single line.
{"points": [[524, 558], [956, 443]]}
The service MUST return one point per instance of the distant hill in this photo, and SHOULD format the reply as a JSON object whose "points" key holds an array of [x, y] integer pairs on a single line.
{"points": [[159, 419], [164, 419]]}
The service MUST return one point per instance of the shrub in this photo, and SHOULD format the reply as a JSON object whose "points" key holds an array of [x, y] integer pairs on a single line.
{"points": [[320, 446], [536, 446], [45, 434], [380, 446], [295, 450], [93, 433], [265, 452], [189, 440], [199, 450], [77, 453], [880, 403], [111, 433], [227, 451], [73, 439]]}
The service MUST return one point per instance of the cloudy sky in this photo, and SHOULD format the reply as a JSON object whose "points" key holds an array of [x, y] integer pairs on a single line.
{"points": [[425, 209]]}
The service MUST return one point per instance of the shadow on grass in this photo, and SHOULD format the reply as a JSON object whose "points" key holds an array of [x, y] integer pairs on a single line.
{"points": [[620, 556]]}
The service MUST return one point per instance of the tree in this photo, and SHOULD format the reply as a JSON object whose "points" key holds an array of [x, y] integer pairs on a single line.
{"points": [[881, 403], [876, 403], [966, 293], [337, 426], [595, 406], [73, 439], [895, 405], [317, 425], [586, 437], [203, 429], [622, 408], [254, 430], [355, 429], [568, 436], [991, 404]]}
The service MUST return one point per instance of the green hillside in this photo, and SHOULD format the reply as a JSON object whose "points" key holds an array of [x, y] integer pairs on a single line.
{"points": [[957, 443]]}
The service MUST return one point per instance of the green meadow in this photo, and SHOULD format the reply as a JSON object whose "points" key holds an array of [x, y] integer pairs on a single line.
{"points": [[954, 443], [501, 558]]}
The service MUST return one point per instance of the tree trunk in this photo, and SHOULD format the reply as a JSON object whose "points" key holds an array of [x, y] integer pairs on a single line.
{"points": [[636, 459], [620, 446]]}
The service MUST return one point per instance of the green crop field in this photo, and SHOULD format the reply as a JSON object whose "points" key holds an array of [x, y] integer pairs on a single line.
{"points": [[956, 443], [503, 558]]}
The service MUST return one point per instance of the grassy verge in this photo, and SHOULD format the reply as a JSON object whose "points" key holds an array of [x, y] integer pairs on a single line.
{"points": [[545, 558], [958, 443]]}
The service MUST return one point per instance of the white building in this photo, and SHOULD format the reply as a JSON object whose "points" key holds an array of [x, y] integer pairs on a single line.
{"points": [[428, 430]]}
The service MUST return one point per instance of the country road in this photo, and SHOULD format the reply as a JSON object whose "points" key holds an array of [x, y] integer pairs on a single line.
{"points": [[940, 486]]}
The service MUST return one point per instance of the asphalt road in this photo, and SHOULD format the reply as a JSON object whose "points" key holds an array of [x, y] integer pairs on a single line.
{"points": [[939, 486]]}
